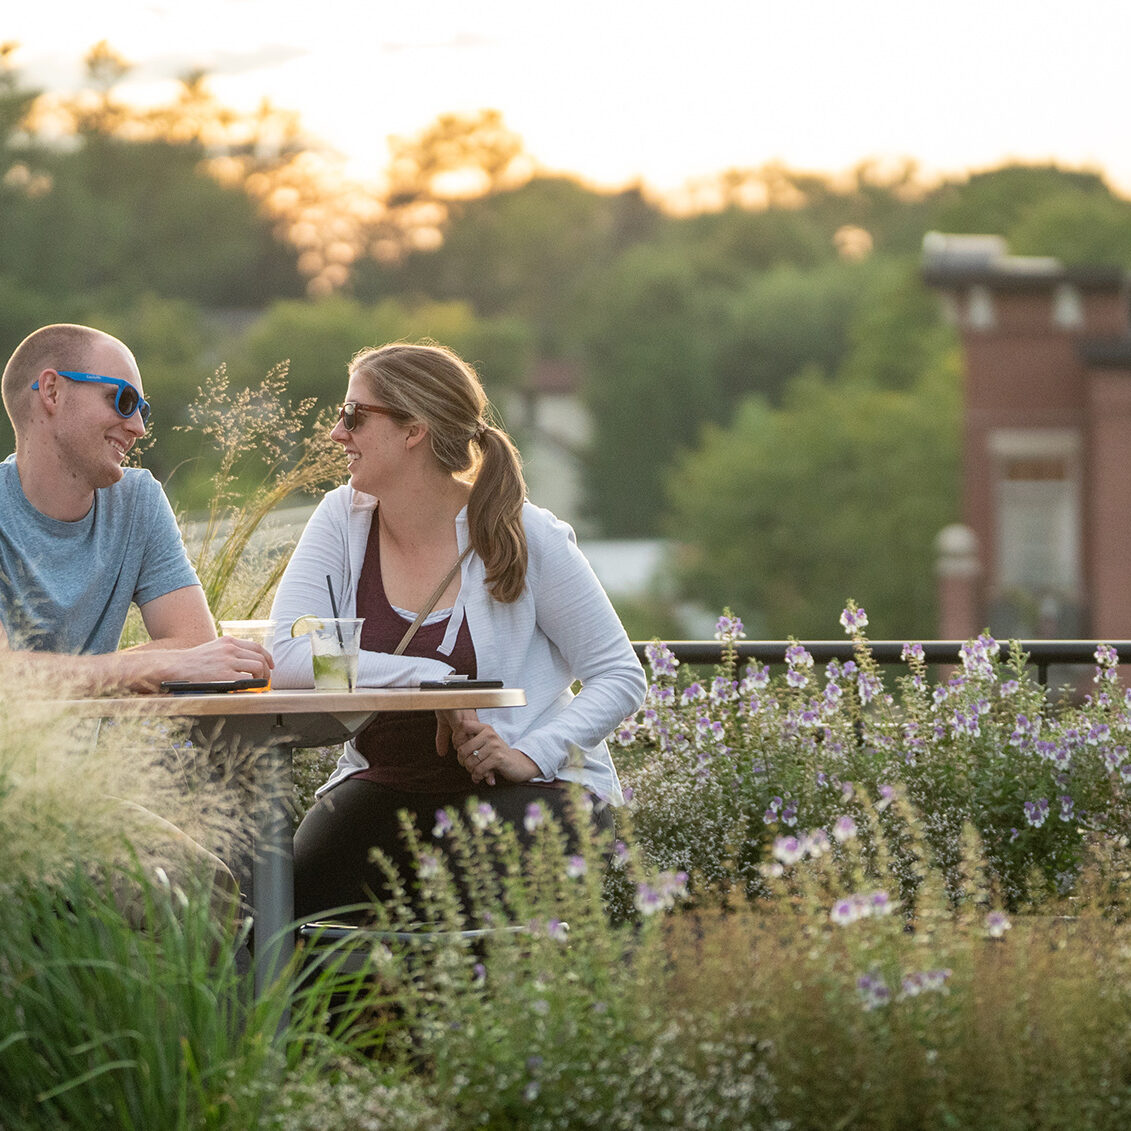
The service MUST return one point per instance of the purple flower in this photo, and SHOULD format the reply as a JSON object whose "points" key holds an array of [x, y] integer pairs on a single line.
{"points": [[648, 900], [879, 903], [1036, 812], [861, 905], [428, 865], [483, 815], [576, 867], [788, 849], [1106, 657], [873, 990], [661, 659], [913, 653], [925, 981], [443, 824], [978, 656], [729, 628], [844, 829], [757, 678], [870, 685], [535, 816], [723, 690], [853, 619], [996, 924], [711, 729]]}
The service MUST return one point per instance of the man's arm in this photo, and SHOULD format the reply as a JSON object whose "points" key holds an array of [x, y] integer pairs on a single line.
{"points": [[183, 645], [180, 619]]}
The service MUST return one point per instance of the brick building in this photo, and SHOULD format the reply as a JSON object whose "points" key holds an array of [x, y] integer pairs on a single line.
{"points": [[1045, 549]]}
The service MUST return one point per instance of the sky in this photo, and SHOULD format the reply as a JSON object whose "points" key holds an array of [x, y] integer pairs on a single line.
{"points": [[616, 92]]}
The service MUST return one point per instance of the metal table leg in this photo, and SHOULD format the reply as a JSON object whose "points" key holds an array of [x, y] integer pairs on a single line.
{"points": [[273, 865]]}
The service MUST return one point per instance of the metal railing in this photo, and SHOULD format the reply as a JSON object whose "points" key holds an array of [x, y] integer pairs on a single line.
{"points": [[1041, 653]]}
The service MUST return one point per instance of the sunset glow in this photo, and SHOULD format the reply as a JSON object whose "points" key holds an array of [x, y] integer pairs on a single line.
{"points": [[615, 93]]}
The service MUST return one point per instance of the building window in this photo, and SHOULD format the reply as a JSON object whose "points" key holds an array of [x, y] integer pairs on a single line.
{"points": [[980, 309], [1067, 307], [1038, 531]]}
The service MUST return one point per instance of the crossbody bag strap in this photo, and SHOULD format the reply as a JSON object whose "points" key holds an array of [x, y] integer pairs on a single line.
{"points": [[431, 604]]}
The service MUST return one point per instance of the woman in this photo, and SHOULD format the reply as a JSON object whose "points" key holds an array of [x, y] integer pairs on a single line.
{"points": [[435, 492]]}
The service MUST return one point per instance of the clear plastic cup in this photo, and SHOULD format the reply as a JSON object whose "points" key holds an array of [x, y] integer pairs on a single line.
{"points": [[260, 631], [334, 649]]}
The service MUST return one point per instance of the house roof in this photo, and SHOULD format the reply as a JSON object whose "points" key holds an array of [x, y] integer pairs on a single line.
{"points": [[965, 260]]}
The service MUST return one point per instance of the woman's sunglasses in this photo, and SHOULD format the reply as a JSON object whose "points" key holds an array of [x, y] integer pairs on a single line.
{"points": [[347, 414], [127, 400]]}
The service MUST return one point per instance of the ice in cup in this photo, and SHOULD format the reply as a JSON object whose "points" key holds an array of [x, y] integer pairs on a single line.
{"points": [[260, 631], [334, 648]]}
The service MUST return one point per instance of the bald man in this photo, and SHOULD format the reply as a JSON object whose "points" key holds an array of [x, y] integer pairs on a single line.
{"points": [[82, 537]]}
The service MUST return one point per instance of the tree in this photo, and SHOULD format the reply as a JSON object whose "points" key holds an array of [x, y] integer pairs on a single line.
{"points": [[992, 202], [1077, 228], [16, 102], [317, 340], [455, 157], [785, 320], [530, 251], [128, 206], [126, 217], [651, 382], [789, 512]]}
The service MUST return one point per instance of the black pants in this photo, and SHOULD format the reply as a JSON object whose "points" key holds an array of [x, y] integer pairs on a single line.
{"points": [[333, 842]]}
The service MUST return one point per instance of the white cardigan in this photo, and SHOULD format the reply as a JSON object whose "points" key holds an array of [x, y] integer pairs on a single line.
{"points": [[560, 630]]}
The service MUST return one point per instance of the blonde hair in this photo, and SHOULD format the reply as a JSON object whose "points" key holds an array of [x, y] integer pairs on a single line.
{"points": [[430, 384]]}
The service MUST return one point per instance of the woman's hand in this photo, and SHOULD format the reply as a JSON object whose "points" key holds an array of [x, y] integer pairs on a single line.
{"points": [[479, 749]]}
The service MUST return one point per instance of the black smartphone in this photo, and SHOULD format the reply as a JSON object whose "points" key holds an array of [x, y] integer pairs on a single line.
{"points": [[457, 684], [205, 687]]}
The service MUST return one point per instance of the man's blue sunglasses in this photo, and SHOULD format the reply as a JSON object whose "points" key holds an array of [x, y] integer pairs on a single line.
{"points": [[127, 400]]}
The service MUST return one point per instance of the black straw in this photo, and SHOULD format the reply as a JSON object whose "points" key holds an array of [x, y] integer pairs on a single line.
{"points": [[338, 627]]}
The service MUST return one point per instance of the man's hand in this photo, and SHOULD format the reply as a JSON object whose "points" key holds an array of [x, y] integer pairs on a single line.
{"points": [[479, 749], [226, 657]]}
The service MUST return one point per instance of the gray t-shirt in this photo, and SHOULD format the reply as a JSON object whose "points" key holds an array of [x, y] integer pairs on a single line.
{"points": [[67, 586]]}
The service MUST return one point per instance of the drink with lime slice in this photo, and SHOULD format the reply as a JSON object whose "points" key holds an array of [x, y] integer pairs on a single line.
{"points": [[334, 646], [333, 670]]}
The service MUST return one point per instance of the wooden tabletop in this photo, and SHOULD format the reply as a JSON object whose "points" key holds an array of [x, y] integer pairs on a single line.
{"points": [[362, 700], [293, 719]]}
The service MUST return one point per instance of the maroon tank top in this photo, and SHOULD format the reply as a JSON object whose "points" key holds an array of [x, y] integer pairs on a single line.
{"points": [[400, 746]]}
